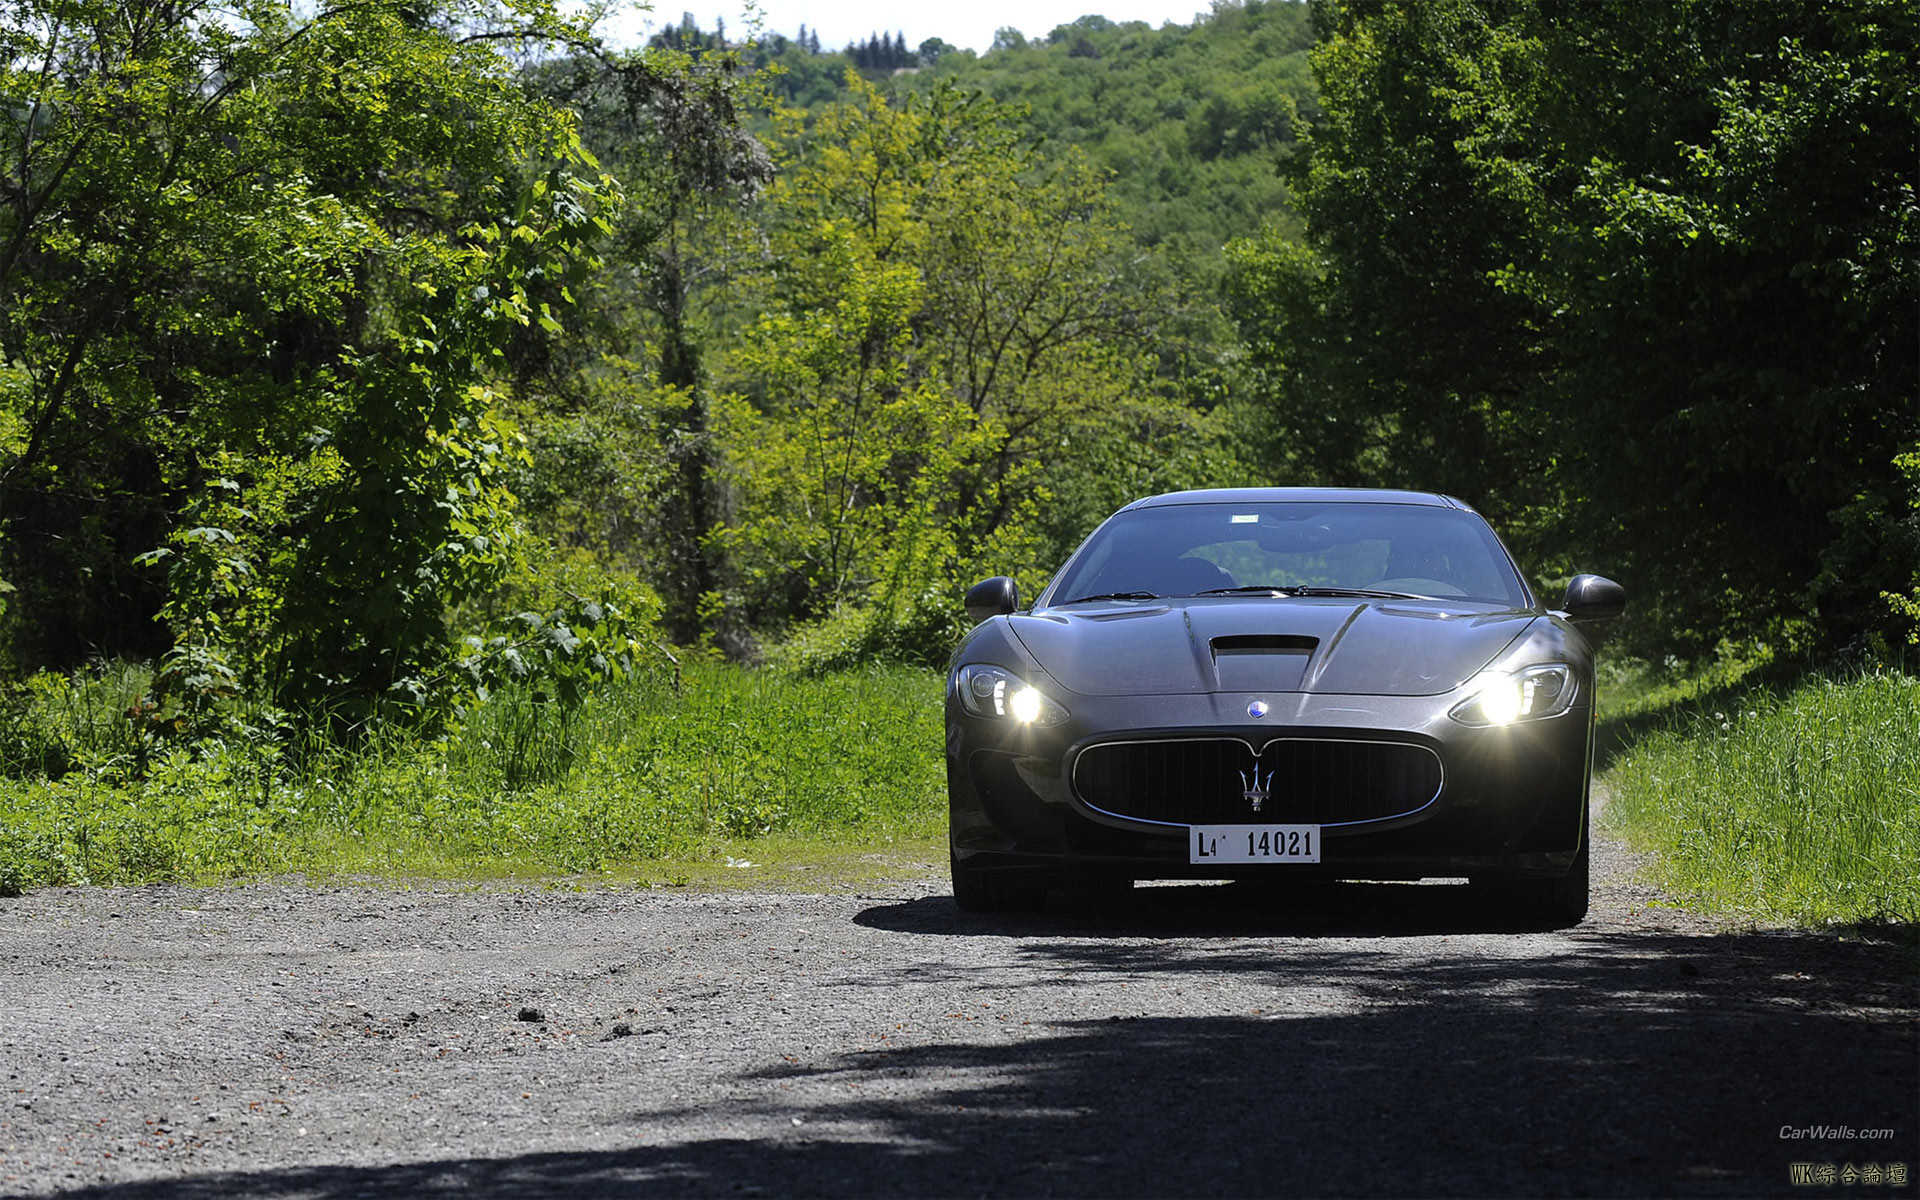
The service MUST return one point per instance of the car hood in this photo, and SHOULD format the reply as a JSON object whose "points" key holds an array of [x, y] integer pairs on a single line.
{"points": [[1295, 644]]}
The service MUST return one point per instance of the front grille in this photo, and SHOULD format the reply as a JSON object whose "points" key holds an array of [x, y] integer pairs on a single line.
{"points": [[1205, 780]]}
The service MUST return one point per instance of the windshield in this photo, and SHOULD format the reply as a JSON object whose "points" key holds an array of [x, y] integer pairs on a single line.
{"points": [[1187, 549]]}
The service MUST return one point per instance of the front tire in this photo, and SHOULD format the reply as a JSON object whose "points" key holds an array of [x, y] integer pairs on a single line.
{"points": [[975, 890], [1555, 902], [1559, 903]]}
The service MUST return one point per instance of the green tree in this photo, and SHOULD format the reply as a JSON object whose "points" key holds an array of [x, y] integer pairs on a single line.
{"points": [[848, 472], [1638, 279], [1032, 305], [1190, 123], [1749, 357], [1391, 353], [257, 272], [946, 307], [669, 127]]}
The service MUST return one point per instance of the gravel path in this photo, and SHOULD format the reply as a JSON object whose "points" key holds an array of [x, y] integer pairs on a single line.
{"points": [[282, 1040]]}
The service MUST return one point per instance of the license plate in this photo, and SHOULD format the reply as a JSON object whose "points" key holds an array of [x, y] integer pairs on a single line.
{"points": [[1254, 844]]}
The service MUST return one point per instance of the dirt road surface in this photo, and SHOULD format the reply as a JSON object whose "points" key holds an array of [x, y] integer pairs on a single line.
{"points": [[285, 1040]]}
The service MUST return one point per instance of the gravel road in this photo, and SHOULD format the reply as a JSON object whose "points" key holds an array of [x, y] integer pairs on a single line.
{"points": [[285, 1040]]}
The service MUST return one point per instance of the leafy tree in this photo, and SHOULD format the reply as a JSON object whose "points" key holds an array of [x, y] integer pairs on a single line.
{"points": [[798, 74], [1394, 355], [1599, 266], [669, 126], [1022, 262], [944, 304], [1191, 123], [847, 468], [256, 270], [1750, 355]]}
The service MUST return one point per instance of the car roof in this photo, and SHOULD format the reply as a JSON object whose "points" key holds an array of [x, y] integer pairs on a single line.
{"points": [[1308, 495]]}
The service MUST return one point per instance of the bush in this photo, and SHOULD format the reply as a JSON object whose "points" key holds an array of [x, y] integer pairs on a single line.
{"points": [[651, 765], [920, 632]]}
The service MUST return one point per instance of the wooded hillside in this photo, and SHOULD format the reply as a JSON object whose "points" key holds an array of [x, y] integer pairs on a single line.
{"points": [[355, 364]]}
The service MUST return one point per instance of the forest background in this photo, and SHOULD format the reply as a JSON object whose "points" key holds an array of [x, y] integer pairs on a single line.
{"points": [[377, 374]]}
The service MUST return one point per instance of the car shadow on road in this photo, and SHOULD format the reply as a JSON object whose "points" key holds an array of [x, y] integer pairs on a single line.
{"points": [[1216, 909]]}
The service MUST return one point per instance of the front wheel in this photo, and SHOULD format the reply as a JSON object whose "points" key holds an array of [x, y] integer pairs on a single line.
{"points": [[1551, 903], [975, 890]]}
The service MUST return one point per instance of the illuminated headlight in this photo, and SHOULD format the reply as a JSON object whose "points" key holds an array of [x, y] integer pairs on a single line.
{"points": [[997, 692], [1503, 697]]}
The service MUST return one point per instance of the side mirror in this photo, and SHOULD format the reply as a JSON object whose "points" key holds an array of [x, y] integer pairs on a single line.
{"points": [[1593, 598], [994, 597]]}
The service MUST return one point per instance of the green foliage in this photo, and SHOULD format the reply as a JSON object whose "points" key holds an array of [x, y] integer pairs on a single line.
{"points": [[426, 517], [596, 464], [257, 271], [850, 461], [571, 627], [1187, 126], [946, 307], [920, 630], [1906, 607], [668, 125], [648, 768], [1803, 806], [1189, 122], [1635, 690], [343, 389], [1593, 266], [1387, 353], [52, 725], [802, 77]]}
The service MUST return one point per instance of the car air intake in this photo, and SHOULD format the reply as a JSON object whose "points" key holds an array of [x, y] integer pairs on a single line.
{"points": [[1214, 780], [1261, 662]]}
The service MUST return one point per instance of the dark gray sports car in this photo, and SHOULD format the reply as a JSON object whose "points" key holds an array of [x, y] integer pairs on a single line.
{"points": [[1283, 684]]}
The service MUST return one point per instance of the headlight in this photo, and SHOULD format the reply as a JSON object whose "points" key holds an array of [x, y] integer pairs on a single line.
{"points": [[1504, 697], [997, 692]]}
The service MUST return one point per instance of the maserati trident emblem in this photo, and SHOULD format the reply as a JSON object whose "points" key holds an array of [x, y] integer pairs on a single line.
{"points": [[1256, 790]]}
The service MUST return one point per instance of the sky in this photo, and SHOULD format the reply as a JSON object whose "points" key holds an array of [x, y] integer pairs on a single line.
{"points": [[970, 25]]}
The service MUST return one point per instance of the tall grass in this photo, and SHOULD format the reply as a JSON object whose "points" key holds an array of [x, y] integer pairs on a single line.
{"points": [[647, 770], [1802, 806]]}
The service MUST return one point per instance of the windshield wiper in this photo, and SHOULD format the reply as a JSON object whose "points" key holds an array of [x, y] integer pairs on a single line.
{"points": [[1252, 589], [1364, 593], [1115, 596], [1275, 589]]}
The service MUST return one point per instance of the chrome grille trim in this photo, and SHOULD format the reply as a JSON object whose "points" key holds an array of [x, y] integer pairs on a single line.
{"points": [[1222, 790]]}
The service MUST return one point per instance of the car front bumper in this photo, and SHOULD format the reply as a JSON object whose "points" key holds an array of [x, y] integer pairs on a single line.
{"points": [[1511, 800]]}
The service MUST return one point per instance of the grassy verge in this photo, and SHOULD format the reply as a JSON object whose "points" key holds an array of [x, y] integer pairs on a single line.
{"points": [[1800, 805], [1793, 803], [648, 781]]}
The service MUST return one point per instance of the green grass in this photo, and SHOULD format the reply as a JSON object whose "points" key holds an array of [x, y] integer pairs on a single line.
{"points": [[1800, 805], [646, 781], [1797, 803], [1633, 690]]}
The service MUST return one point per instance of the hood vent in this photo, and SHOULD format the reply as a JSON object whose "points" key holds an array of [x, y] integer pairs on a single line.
{"points": [[1262, 643], [1261, 662]]}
